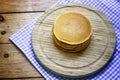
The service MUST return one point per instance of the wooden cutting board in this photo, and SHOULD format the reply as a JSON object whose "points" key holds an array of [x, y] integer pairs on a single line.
{"points": [[97, 54]]}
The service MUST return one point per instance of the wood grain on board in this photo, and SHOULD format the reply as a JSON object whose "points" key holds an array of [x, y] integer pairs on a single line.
{"points": [[93, 58]]}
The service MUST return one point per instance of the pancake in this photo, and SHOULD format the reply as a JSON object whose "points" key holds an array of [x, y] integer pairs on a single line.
{"points": [[72, 31]]}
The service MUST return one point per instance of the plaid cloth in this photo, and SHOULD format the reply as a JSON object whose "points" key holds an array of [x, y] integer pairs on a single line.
{"points": [[111, 8]]}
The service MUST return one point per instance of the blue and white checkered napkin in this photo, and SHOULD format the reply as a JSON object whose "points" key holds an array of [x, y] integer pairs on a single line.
{"points": [[111, 8]]}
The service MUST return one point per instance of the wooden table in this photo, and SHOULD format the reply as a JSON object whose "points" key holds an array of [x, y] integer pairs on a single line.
{"points": [[16, 13]]}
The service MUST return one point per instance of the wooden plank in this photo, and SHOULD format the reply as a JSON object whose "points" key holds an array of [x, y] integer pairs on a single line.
{"points": [[25, 5], [13, 22], [31, 79], [13, 64], [26, 79]]}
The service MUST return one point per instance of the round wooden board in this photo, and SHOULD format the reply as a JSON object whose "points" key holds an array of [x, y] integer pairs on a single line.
{"points": [[86, 62]]}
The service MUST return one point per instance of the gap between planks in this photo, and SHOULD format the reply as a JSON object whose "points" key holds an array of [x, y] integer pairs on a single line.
{"points": [[24, 78], [21, 12]]}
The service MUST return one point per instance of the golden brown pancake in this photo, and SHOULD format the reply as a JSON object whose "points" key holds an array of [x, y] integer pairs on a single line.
{"points": [[72, 29]]}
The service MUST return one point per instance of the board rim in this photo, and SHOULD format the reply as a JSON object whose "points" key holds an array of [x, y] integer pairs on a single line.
{"points": [[73, 4]]}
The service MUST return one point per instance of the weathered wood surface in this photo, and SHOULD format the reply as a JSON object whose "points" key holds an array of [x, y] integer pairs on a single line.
{"points": [[30, 79], [13, 22], [91, 60], [13, 63], [25, 5], [24, 79], [17, 13]]}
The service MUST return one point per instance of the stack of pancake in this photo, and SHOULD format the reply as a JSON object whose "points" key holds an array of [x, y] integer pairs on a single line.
{"points": [[72, 32]]}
